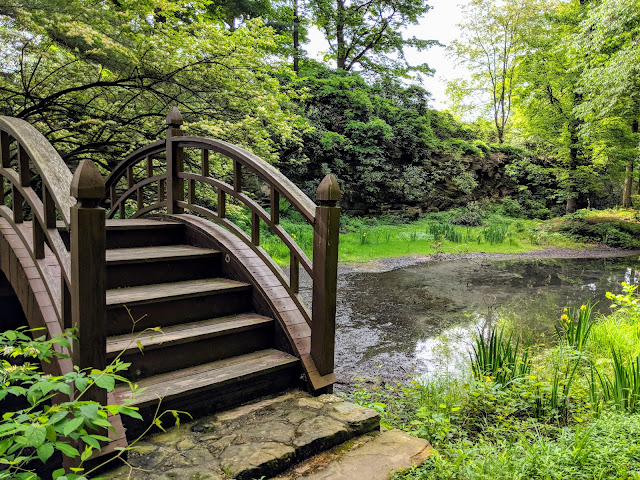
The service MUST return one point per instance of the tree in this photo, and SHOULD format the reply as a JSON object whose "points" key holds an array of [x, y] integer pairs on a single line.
{"points": [[611, 83], [491, 45], [98, 78], [367, 33]]}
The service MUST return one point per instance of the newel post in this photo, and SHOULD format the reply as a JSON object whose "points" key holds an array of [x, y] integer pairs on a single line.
{"points": [[88, 273], [175, 162], [325, 274]]}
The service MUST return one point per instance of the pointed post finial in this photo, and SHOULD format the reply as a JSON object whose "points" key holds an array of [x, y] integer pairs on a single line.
{"points": [[328, 192], [87, 183], [174, 117]]}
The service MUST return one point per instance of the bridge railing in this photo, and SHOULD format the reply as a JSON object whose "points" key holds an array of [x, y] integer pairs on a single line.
{"points": [[73, 279], [162, 188]]}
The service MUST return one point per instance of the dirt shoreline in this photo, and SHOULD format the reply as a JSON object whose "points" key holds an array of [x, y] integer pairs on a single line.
{"points": [[393, 263]]}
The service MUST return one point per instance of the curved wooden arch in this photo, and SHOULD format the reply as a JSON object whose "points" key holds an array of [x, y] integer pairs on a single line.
{"points": [[24, 150]]}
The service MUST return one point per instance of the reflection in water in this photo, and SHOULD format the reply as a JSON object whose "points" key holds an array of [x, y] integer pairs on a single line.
{"points": [[424, 318]]}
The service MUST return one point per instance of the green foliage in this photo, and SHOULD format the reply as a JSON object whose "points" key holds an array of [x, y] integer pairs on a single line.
{"points": [[55, 418], [575, 326], [369, 34], [470, 215], [572, 414], [34, 433], [103, 75], [498, 358], [613, 232]]}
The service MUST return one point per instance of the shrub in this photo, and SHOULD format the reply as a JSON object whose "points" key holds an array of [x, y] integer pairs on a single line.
{"points": [[471, 216]]}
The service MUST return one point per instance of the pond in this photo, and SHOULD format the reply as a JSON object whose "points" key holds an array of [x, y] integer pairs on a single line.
{"points": [[422, 319]]}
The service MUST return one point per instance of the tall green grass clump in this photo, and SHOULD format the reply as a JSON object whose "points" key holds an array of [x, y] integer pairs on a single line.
{"points": [[499, 358], [575, 326]]}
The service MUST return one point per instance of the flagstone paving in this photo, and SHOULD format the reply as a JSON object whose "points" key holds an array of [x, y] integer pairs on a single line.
{"points": [[251, 441]]}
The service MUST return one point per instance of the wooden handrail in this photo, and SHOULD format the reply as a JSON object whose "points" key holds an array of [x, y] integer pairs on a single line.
{"points": [[171, 196], [78, 297], [33, 151]]}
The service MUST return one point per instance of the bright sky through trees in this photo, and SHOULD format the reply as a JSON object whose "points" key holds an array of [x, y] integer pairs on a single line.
{"points": [[439, 24]]}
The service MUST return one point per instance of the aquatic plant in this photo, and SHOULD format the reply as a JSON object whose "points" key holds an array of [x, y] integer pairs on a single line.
{"points": [[498, 358]]}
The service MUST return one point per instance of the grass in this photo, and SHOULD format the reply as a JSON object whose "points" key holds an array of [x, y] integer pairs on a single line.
{"points": [[569, 410], [363, 240]]}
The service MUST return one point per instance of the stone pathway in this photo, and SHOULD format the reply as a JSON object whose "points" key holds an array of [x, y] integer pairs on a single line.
{"points": [[369, 457], [251, 441]]}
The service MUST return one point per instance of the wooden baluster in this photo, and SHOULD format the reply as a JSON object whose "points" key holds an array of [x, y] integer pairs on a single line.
{"points": [[237, 176], [161, 188], [65, 303], [130, 179], [1, 190], [205, 162], [191, 188], [88, 273], [5, 153], [23, 167], [325, 274], [175, 185], [294, 275], [222, 203], [18, 202], [122, 209], [275, 206], [255, 229], [139, 198], [49, 208], [149, 166], [38, 238], [113, 194]]}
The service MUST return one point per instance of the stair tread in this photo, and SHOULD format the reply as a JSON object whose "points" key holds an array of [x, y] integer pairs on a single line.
{"points": [[185, 332], [150, 254], [201, 377], [139, 223], [149, 293], [130, 223]]}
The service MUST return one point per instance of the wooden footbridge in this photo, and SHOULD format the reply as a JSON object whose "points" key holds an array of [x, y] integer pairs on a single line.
{"points": [[148, 245]]}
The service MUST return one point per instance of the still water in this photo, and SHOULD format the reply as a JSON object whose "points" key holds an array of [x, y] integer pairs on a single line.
{"points": [[422, 319]]}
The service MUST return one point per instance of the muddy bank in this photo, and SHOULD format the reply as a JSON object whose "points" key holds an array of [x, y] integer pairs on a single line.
{"points": [[388, 264]]}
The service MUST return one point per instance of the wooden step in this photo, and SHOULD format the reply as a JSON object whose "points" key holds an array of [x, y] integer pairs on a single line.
{"points": [[211, 386], [136, 232], [191, 344], [127, 267], [163, 304]]}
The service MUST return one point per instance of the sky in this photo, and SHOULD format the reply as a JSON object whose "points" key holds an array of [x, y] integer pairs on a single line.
{"points": [[439, 24]]}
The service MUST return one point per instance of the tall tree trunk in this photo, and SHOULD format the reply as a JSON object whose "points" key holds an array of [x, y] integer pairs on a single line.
{"points": [[341, 52], [296, 37]]}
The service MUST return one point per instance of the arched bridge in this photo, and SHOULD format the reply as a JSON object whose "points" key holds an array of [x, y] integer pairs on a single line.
{"points": [[158, 242]]}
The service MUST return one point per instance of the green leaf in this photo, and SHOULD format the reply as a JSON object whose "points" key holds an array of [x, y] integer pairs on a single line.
{"points": [[81, 383], [36, 435], [131, 412], [89, 411], [67, 449], [58, 416], [44, 452], [106, 381], [71, 425], [89, 440], [87, 453], [58, 473]]}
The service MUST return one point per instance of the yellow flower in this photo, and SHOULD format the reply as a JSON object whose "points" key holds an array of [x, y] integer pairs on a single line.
{"points": [[564, 317], [293, 235], [565, 310], [583, 308], [364, 234]]}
